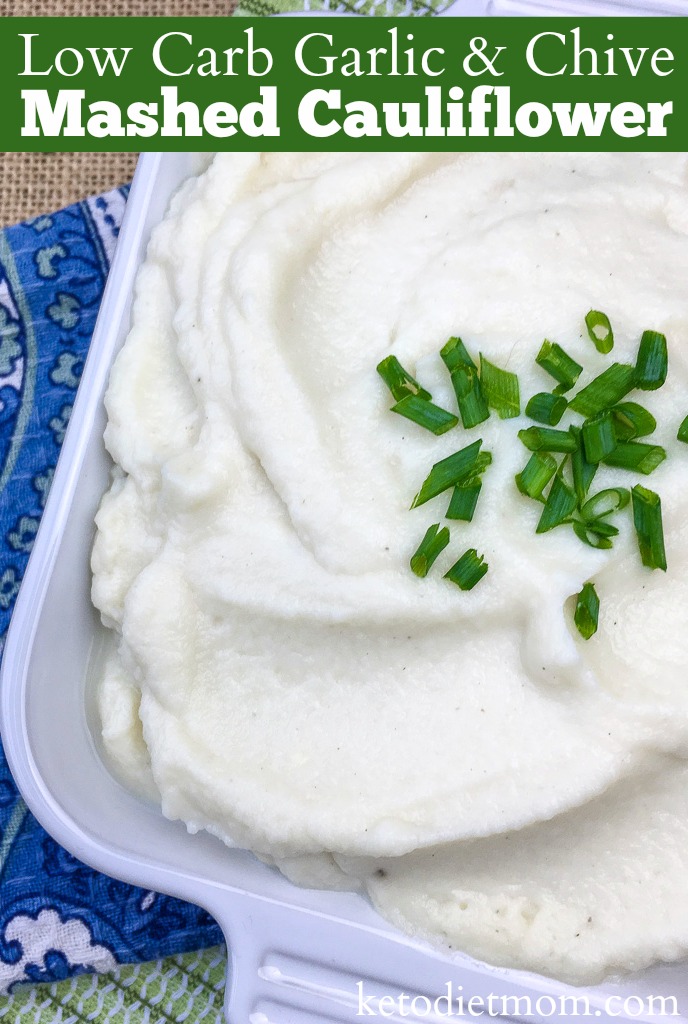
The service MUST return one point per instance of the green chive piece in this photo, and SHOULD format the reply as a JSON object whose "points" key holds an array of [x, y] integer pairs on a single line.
{"points": [[652, 365], [399, 381], [537, 473], [469, 394], [605, 503], [600, 331], [632, 420], [683, 431], [464, 500], [455, 355], [456, 469], [637, 456], [544, 439], [603, 528], [604, 391], [426, 414], [546, 408], [469, 570], [647, 517], [587, 612], [583, 471], [559, 364], [433, 544], [599, 439], [560, 503], [501, 390], [593, 537]]}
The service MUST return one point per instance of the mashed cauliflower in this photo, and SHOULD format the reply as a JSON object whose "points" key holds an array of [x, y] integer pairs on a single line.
{"points": [[277, 675]]}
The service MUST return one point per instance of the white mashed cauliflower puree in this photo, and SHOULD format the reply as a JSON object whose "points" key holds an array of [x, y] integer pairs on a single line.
{"points": [[279, 677]]}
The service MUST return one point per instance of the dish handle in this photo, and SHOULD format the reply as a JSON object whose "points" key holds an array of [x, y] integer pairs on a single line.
{"points": [[292, 965]]}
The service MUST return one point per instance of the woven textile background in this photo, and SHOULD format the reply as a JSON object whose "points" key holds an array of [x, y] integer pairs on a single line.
{"points": [[34, 183]]}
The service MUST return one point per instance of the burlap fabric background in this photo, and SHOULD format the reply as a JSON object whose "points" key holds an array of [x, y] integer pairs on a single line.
{"points": [[33, 183]]}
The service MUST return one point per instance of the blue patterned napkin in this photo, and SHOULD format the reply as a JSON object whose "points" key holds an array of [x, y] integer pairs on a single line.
{"points": [[58, 918]]}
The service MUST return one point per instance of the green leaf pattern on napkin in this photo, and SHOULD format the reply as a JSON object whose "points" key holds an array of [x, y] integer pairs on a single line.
{"points": [[188, 988]]}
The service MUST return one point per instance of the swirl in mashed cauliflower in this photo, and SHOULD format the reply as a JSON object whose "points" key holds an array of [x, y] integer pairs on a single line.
{"points": [[279, 677]]}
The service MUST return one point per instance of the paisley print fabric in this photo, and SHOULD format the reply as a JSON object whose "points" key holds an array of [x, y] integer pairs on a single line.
{"points": [[58, 918]]}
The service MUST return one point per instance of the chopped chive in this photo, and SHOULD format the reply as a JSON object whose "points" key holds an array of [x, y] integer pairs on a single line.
{"points": [[399, 381], [559, 365], [605, 503], [426, 414], [561, 501], [537, 473], [481, 463], [599, 439], [647, 517], [469, 394], [683, 431], [587, 613], [456, 469], [583, 471], [455, 355], [464, 500], [500, 388], [652, 365], [635, 455], [544, 439], [593, 537], [433, 544], [600, 331], [632, 420], [603, 528], [604, 391], [546, 408], [469, 570]]}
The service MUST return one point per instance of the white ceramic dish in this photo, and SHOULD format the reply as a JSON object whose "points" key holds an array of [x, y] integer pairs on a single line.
{"points": [[296, 955]]}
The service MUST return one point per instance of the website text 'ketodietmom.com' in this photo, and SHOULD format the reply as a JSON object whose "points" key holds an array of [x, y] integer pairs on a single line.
{"points": [[454, 1003]]}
